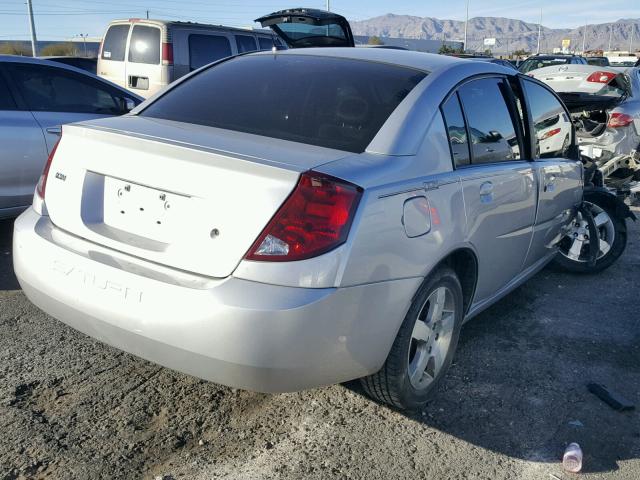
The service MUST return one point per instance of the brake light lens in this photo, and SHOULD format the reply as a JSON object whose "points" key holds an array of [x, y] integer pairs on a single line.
{"points": [[167, 53], [550, 133], [601, 77], [41, 187], [314, 219], [617, 120]]}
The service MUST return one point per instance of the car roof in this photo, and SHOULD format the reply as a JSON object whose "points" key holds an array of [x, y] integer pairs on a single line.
{"points": [[428, 62], [63, 66], [39, 61]]}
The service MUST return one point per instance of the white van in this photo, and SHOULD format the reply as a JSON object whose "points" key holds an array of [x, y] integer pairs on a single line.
{"points": [[146, 55]]}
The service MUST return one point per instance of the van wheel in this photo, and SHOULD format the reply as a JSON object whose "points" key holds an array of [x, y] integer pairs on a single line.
{"points": [[424, 347], [612, 238]]}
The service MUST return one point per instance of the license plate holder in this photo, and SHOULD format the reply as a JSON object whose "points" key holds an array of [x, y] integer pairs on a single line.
{"points": [[141, 210]]}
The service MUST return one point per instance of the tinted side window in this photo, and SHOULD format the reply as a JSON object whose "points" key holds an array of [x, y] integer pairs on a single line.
{"points": [[115, 42], [551, 123], [492, 131], [454, 122], [49, 89], [144, 46], [245, 43], [204, 49], [6, 99], [265, 43]]}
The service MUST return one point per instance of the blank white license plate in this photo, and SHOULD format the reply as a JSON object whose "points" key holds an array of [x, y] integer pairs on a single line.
{"points": [[143, 211]]}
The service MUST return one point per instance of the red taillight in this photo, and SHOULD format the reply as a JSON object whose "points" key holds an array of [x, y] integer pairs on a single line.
{"points": [[42, 183], [167, 53], [550, 133], [314, 219], [601, 77], [617, 120]]}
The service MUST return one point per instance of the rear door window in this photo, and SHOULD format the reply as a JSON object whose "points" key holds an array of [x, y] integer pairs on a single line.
{"points": [[245, 43], [490, 123], [115, 43], [6, 99], [49, 89], [319, 100], [204, 49], [456, 131], [550, 120], [144, 46]]}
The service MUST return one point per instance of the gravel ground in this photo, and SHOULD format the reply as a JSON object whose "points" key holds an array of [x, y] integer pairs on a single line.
{"points": [[515, 396]]}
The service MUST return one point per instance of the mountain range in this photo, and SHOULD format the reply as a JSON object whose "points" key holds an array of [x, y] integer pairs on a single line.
{"points": [[510, 34]]}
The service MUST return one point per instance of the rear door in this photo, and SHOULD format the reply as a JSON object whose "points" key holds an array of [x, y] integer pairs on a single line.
{"points": [[23, 151], [559, 177], [144, 65], [307, 27], [111, 64], [56, 96], [498, 184]]}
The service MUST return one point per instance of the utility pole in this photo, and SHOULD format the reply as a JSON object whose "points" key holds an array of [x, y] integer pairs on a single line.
{"points": [[466, 21], [539, 32], [584, 37], [34, 41], [328, 5], [610, 36], [147, 14], [84, 42]]}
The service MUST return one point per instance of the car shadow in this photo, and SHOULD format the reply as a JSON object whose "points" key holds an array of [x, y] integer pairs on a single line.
{"points": [[7, 278], [518, 382]]}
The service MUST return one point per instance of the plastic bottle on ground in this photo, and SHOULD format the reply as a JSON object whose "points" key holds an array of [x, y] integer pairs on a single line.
{"points": [[572, 458]]}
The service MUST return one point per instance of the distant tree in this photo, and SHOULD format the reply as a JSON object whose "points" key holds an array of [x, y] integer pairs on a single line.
{"points": [[67, 49], [15, 49], [487, 52], [375, 40], [521, 53]]}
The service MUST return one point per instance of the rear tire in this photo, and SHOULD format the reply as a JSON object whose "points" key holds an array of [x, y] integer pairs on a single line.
{"points": [[613, 233], [424, 347]]}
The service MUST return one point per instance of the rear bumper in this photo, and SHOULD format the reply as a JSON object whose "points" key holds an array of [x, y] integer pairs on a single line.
{"points": [[231, 331]]}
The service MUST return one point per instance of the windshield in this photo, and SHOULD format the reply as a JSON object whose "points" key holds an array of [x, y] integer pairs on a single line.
{"points": [[535, 63], [330, 102]]}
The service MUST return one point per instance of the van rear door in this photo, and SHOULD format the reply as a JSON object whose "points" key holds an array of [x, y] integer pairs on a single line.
{"points": [[144, 62], [308, 27], [111, 64]]}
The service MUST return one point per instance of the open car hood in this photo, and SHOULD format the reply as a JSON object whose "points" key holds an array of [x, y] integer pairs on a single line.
{"points": [[309, 27]]}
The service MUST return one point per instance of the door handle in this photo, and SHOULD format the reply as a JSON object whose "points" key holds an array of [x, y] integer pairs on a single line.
{"points": [[55, 130], [486, 192], [550, 186]]}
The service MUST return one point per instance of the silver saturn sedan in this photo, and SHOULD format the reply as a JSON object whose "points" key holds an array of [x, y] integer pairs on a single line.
{"points": [[282, 220]]}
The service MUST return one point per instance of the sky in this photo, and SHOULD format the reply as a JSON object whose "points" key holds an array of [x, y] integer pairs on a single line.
{"points": [[62, 19]]}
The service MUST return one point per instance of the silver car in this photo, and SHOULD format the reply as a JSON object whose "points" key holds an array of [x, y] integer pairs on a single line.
{"points": [[36, 98], [283, 220]]}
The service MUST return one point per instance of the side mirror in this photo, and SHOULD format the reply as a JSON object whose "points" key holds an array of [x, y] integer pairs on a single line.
{"points": [[126, 104]]}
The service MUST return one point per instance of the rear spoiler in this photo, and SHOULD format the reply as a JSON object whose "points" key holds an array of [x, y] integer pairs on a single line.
{"points": [[585, 102]]}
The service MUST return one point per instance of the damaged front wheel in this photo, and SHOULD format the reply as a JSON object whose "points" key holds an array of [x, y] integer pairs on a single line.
{"points": [[577, 251]]}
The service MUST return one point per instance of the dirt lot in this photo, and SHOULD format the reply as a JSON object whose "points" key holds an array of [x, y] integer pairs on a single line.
{"points": [[73, 408]]}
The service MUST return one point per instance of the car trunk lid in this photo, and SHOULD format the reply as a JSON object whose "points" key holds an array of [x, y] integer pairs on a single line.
{"points": [[195, 202], [307, 27]]}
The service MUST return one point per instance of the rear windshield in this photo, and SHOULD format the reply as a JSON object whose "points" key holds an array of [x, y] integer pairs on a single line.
{"points": [[330, 102], [535, 63], [144, 46], [115, 42]]}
